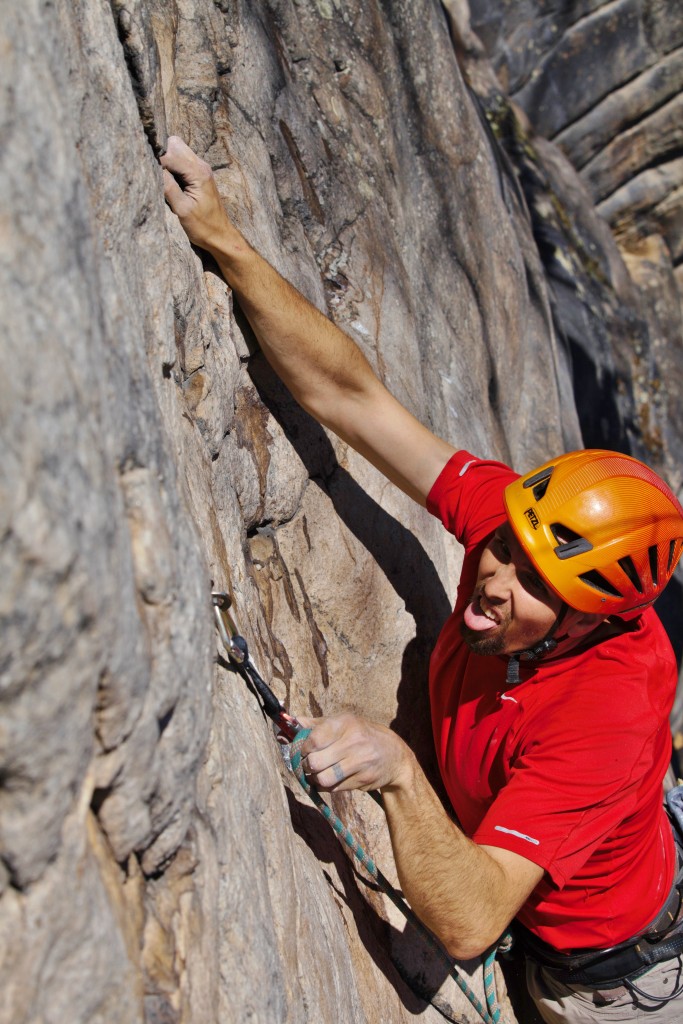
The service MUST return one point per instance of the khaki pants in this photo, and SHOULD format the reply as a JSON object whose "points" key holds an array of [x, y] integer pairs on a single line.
{"points": [[573, 1004]]}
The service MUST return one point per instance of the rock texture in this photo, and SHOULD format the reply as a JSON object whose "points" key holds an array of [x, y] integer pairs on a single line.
{"points": [[604, 81], [157, 862]]}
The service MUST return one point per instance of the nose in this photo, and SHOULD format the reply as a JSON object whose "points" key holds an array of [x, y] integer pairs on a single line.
{"points": [[498, 585]]}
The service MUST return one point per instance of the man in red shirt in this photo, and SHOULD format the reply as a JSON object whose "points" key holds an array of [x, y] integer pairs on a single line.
{"points": [[549, 708]]}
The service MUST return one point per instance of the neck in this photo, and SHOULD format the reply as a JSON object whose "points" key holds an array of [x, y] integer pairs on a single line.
{"points": [[566, 644]]}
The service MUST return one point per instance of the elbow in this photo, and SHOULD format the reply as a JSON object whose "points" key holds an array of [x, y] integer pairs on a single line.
{"points": [[464, 949], [469, 945]]}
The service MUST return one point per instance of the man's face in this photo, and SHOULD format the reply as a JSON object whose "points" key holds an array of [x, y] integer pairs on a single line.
{"points": [[511, 608]]}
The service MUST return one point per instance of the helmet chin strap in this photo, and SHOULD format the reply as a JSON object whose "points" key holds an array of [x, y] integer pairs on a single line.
{"points": [[544, 647]]}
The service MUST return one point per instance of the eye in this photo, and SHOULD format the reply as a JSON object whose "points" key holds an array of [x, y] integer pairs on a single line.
{"points": [[501, 548], [532, 582]]}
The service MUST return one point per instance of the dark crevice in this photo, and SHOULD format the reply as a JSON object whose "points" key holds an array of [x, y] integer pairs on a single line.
{"points": [[163, 721], [98, 798], [257, 528], [318, 640], [142, 61], [269, 525], [493, 392], [659, 160]]}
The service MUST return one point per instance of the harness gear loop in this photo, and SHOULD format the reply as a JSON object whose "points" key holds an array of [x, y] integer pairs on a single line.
{"points": [[659, 1000], [238, 653]]}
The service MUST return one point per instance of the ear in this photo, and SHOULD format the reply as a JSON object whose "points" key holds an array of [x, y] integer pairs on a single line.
{"points": [[581, 623]]}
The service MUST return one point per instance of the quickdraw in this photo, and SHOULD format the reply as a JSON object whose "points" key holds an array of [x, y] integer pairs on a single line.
{"points": [[238, 652]]}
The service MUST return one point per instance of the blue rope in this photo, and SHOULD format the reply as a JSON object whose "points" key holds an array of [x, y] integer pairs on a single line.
{"points": [[490, 1013]]}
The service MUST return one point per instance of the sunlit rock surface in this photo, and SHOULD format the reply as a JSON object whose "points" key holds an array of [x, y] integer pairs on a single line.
{"points": [[158, 862]]}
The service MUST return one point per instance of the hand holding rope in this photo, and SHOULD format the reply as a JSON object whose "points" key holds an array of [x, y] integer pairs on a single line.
{"points": [[238, 653]]}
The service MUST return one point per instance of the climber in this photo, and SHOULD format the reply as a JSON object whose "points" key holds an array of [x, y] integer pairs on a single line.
{"points": [[550, 684]]}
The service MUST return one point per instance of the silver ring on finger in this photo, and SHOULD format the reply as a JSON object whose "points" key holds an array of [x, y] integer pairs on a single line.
{"points": [[338, 772]]}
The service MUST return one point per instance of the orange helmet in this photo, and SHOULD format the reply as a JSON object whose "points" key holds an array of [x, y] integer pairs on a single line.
{"points": [[601, 528]]}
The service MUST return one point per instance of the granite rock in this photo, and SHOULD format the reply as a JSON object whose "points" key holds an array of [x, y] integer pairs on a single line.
{"points": [[157, 860]]}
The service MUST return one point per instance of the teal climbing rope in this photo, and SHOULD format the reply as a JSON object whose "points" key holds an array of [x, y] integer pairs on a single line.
{"points": [[490, 1013], [238, 653]]}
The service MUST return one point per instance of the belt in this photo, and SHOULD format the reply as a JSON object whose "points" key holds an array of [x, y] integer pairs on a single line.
{"points": [[598, 968], [608, 967]]}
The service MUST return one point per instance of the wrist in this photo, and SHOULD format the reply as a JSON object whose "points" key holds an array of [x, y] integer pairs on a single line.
{"points": [[230, 250], [224, 241], [404, 778]]}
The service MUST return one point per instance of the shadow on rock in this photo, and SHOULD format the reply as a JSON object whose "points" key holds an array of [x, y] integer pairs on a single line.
{"points": [[396, 550], [406, 958]]}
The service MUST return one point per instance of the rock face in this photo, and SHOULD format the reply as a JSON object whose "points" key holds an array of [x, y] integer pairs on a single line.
{"points": [[157, 861], [604, 81]]}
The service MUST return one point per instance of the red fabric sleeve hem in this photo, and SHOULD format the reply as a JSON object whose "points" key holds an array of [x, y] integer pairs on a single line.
{"points": [[435, 496], [522, 847]]}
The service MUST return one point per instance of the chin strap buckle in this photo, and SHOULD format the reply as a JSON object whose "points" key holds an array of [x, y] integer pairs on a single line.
{"points": [[512, 676], [546, 646]]}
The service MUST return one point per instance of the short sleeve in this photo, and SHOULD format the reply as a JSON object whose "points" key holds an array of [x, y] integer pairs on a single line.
{"points": [[467, 497], [575, 780]]}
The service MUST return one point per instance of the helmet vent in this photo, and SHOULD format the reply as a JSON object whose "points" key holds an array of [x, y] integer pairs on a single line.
{"points": [[653, 555], [672, 555], [598, 582], [539, 482], [629, 568], [569, 543]]}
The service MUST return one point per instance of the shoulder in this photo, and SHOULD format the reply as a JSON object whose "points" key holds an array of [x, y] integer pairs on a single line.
{"points": [[468, 496], [465, 472]]}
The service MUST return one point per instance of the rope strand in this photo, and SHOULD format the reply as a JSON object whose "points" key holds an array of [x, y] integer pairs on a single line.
{"points": [[490, 1014], [238, 653]]}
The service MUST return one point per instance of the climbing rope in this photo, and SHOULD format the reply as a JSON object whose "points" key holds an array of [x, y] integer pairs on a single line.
{"points": [[238, 652], [490, 1013]]}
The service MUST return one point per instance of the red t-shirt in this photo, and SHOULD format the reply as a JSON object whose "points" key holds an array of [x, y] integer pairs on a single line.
{"points": [[566, 767]]}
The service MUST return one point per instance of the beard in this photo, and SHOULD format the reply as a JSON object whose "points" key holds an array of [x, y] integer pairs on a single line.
{"points": [[482, 643], [487, 641]]}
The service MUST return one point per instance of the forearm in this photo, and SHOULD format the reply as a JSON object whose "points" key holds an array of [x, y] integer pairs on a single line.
{"points": [[323, 368], [316, 360], [327, 373], [454, 886], [465, 893]]}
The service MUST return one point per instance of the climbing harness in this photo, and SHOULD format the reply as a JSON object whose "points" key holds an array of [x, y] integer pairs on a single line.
{"points": [[238, 653], [627, 962]]}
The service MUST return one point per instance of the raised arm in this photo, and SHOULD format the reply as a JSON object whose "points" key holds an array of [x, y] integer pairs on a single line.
{"points": [[323, 368]]}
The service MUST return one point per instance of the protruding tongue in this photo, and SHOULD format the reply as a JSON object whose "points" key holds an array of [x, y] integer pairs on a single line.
{"points": [[475, 618]]}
